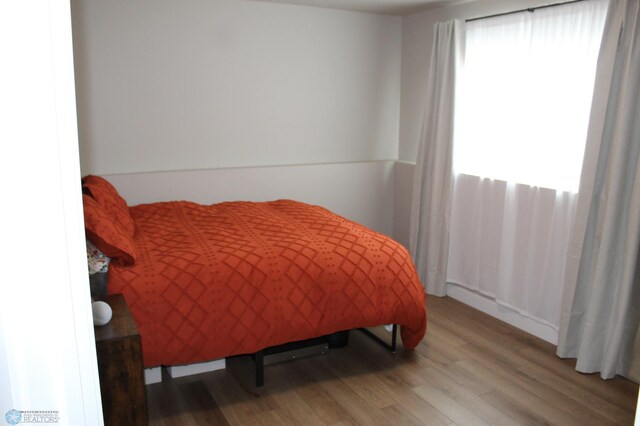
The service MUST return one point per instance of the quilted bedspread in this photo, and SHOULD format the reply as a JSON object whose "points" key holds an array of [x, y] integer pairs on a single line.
{"points": [[234, 278]]}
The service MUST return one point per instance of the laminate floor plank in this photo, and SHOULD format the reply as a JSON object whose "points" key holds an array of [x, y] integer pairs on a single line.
{"points": [[469, 382], [519, 411], [361, 410], [400, 374], [291, 405], [540, 355], [324, 405], [448, 406], [467, 398], [364, 379], [202, 408], [239, 405], [166, 405], [471, 369], [410, 402], [582, 398], [396, 415], [618, 391], [543, 403], [161, 403], [441, 334], [514, 369]]}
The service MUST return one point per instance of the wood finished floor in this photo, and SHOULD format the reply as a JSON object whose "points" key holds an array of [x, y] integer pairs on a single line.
{"points": [[471, 369]]}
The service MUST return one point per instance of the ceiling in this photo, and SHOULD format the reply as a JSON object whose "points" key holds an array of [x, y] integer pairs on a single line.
{"points": [[391, 7]]}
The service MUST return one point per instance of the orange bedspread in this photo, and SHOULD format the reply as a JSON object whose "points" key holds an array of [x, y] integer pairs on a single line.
{"points": [[234, 278]]}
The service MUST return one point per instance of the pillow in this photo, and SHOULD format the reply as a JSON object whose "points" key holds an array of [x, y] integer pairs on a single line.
{"points": [[110, 238], [112, 203], [97, 261], [98, 264]]}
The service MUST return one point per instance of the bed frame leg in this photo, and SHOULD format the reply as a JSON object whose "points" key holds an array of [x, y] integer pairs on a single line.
{"points": [[338, 340], [394, 333], [259, 359], [335, 340]]}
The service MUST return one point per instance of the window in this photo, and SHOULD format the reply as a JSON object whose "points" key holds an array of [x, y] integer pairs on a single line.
{"points": [[524, 95]]}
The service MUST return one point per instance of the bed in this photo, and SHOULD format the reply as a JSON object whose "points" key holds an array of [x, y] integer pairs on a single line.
{"points": [[205, 282]]}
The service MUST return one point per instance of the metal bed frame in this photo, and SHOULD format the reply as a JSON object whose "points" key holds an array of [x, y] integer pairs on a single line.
{"points": [[335, 340]]}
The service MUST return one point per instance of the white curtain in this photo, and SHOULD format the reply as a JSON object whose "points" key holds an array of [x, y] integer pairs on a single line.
{"points": [[601, 308], [509, 242], [523, 110], [429, 228]]}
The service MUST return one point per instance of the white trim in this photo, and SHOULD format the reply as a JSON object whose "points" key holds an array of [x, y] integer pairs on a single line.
{"points": [[152, 375], [490, 307], [201, 367]]}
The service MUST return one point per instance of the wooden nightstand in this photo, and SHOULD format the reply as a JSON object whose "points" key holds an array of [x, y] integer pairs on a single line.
{"points": [[119, 351]]}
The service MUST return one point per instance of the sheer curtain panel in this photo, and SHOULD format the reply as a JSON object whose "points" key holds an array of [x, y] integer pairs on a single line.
{"points": [[522, 114], [601, 307], [429, 228]]}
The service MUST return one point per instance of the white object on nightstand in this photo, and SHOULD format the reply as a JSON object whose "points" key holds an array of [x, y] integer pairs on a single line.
{"points": [[101, 313]]}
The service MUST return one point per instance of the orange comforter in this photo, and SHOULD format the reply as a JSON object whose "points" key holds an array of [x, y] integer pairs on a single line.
{"points": [[234, 278]]}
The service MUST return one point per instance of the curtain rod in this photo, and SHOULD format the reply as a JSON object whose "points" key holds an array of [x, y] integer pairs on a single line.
{"points": [[530, 9]]}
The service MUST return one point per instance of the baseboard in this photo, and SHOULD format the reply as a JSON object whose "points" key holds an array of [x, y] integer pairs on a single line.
{"points": [[152, 375], [491, 307], [201, 367]]}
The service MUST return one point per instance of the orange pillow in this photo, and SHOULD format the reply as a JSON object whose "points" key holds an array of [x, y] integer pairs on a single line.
{"points": [[112, 203], [110, 238]]}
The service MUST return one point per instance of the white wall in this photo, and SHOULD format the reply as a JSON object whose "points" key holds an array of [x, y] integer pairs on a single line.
{"points": [[402, 194], [201, 84], [47, 346], [359, 191]]}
